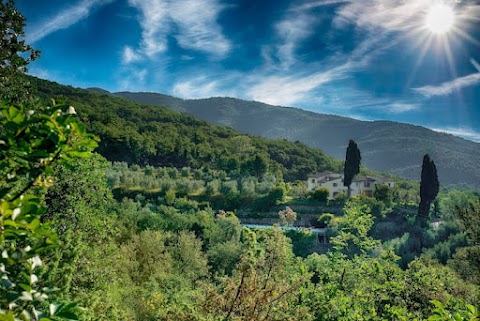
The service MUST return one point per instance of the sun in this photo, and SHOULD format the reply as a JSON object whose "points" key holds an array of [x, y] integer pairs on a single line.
{"points": [[440, 19]]}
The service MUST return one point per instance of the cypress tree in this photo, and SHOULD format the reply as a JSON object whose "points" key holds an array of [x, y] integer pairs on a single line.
{"points": [[429, 187], [352, 164]]}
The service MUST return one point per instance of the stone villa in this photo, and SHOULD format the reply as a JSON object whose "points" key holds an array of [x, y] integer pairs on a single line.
{"points": [[334, 182]]}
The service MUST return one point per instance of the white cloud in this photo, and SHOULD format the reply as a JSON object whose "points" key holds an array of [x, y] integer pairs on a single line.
{"points": [[64, 19], [288, 90], [133, 79], [129, 55], [463, 132], [448, 87], [398, 108], [192, 23], [200, 87], [475, 64], [297, 27], [389, 15]]}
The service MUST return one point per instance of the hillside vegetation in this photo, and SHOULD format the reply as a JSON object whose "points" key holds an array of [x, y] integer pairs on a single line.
{"points": [[83, 238], [147, 135], [386, 146]]}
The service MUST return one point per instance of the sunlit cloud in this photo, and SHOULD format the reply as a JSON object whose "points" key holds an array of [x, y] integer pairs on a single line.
{"points": [[64, 19], [389, 15], [192, 23], [288, 87], [289, 90], [200, 87], [463, 132], [449, 87]]}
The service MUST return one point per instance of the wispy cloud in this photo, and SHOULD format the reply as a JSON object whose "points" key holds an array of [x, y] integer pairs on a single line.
{"points": [[463, 132], [398, 108], [295, 28], [353, 101], [64, 19], [449, 87], [129, 55], [288, 90], [389, 15], [133, 79], [193, 24], [200, 87], [281, 85]]}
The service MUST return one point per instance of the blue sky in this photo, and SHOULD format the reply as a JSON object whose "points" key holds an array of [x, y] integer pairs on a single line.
{"points": [[367, 59]]}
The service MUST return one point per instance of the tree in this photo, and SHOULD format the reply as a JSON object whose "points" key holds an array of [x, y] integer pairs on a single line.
{"points": [[15, 54], [469, 221], [266, 285], [353, 230], [33, 143], [352, 164], [429, 187], [384, 194], [259, 165]]}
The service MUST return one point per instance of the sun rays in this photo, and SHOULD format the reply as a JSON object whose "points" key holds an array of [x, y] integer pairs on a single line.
{"points": [[441, 27]]}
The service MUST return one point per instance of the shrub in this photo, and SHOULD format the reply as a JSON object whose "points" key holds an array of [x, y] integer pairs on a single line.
{"points": [[320, 194]]}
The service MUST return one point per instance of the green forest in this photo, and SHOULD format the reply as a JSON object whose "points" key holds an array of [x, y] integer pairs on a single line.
{"points": [[115, 210]]}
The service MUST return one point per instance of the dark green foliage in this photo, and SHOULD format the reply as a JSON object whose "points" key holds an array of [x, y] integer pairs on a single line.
{"points": [[303, 242], [15, 54], [386, 146], [384, 194], [320, 194], [469, 219], [274, 197], [165, 254], [33, 143], [466, 262], [147, 135], [352, 164], [429, 187]]}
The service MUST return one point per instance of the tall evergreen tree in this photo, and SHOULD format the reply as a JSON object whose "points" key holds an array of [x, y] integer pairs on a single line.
{"points": [[429, 187], [15, 54], [352, 164]]}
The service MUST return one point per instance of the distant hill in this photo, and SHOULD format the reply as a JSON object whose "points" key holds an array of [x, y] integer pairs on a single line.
{"points": [[142, 134], [386, 146]]}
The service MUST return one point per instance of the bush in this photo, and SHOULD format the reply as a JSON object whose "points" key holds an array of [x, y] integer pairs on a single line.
{"points": [[320, 194]]}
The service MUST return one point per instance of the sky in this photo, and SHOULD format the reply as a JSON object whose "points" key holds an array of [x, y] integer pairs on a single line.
{"points": [[411, 61]]}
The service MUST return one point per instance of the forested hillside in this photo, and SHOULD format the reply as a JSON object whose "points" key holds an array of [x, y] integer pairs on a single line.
{"points": [[386, 146], [155, 234], [148, 135]]}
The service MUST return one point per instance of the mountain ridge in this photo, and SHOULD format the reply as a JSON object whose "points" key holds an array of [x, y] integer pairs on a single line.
{"points": [[386, 146], [144, 134]]}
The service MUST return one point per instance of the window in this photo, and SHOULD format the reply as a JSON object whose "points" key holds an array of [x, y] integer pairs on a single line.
{"points": [[367, 184], [335, 184], [313, 180]]}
